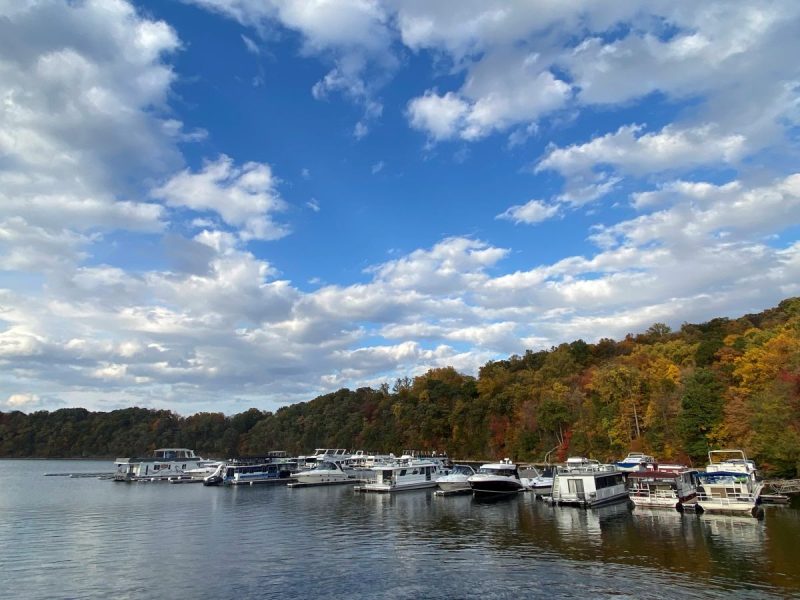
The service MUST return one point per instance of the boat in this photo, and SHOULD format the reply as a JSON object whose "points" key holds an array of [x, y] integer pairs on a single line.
{"points": [[538, 482], [729, 484], [325, 472], [666, 486], [457, 480], [404, 474], [493, 479], [636, 461], [587, 483], [164, 465], [253, 470]]}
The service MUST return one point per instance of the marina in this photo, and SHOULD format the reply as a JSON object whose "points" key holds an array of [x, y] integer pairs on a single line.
{"points": [[498, 547]]}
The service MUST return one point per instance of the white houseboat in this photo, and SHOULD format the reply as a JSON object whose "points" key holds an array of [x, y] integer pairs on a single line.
{"points": [[665, 486], [165, 464], [409, 474], [729, 484], [495, 479], [457, 480], [587, 483]]}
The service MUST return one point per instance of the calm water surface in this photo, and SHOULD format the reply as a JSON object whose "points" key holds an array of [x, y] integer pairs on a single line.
{"points": [[88, 538]]}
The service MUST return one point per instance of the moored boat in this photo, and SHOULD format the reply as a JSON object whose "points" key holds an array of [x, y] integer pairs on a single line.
{"points": [[587, 483], [636, 461], [325, 472], [457, 480], [665, 486], [494, 479], [729, 484], [165, 464], [408, 474], [253, 470]]}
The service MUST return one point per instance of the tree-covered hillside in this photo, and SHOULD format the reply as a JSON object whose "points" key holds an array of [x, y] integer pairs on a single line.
{"points": [[725, 383]]}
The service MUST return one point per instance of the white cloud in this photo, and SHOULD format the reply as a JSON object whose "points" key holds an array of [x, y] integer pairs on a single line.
{"points": [[630, 151], [245, 197], [22, 401], [533, 211], [377, 167]]}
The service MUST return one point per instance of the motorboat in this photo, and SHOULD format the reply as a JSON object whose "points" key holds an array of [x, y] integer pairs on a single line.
{"points": [[496, 479], [729, 484], [457, 480], [666, 486], [636, 461], [325, 472], [164, 465], [587, 483], [538, 482], [404, 474]]}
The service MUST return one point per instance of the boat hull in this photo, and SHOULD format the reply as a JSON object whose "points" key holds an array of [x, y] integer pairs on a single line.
{"points": [[494, 487]]}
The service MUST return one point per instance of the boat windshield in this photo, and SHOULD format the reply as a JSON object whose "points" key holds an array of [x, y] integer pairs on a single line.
{"points": [[326, 466], [462, 470], [494, 471]]}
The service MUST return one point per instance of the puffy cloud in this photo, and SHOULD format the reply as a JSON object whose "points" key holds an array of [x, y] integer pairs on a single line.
{"points": [[245, 197], [533, 211]]}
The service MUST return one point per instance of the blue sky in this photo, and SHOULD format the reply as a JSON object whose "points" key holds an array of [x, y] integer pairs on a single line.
{"points": [[218, 204]]}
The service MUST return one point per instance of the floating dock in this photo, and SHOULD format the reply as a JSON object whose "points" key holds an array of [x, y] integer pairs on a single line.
{"points": [[271, 481]]}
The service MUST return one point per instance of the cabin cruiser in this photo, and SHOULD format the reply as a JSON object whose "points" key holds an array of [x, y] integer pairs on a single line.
{"points": [[253, 470], [324, 472], [165, 464], [496, 478], [457, 480], [404, 474], [666, 486], [636, 461], [587, 483], [729, 484]]}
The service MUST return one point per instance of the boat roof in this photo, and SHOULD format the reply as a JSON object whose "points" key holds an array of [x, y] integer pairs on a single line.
{"points": [[669, 474]]}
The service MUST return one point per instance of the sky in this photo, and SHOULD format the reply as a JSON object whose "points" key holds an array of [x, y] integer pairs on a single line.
{"points": [[212, 205]]}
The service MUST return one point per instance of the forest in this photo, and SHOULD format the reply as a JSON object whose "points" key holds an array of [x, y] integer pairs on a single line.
{"points": [[727, 383]]}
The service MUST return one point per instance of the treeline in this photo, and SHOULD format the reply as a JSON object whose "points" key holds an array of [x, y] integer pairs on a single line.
{"points": [[721, 384]]}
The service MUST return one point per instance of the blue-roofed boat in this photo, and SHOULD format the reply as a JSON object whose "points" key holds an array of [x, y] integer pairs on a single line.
{"points": [[729, 484]]}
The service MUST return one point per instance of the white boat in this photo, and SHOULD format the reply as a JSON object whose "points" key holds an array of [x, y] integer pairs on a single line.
{"points": [[587, 483], [252, 471], [729, 484], [408, 474], [165, 464], [538, 482], [636, 461], [493, 479], [324, 472], [457, 480], [666, 486]]}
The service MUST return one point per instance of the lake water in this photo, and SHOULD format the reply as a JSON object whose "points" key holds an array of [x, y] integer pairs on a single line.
{"points": [[90, 538]]}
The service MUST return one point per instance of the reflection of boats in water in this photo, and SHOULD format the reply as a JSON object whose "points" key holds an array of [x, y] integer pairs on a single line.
{"points": [[165, 464], [587, 483], [666, 486], [496, 479], [729, 484]]}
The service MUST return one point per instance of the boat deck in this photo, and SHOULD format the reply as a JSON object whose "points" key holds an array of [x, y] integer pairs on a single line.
{"points": [[302, 484]]}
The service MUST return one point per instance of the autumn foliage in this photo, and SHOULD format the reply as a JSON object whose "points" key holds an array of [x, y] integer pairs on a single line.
{"points": [[728, 383]]}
